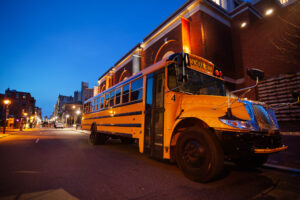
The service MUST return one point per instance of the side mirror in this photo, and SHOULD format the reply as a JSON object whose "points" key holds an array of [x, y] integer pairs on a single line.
{"points": [[255, 74]]}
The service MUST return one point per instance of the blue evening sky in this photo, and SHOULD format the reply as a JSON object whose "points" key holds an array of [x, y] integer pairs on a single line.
{"points": [[47, 47]]}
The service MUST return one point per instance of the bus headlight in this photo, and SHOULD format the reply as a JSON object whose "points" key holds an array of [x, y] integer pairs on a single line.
{"points": [[238, 124]]}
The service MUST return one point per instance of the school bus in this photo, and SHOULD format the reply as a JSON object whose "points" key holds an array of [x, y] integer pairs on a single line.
{"points": [[178, 109]]}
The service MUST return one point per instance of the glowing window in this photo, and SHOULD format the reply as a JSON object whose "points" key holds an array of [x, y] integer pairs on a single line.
{"points": [[221, 3], [284, 1]]}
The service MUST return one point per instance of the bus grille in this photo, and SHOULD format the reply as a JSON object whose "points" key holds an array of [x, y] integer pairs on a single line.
{"points": [[262, 117]]}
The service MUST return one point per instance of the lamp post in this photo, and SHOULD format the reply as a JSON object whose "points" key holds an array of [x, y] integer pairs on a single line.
{"points": [[77, 113], [67, 116], [6, 102]]}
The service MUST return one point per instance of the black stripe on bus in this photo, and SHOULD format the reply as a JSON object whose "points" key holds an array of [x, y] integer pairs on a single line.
{"points": [[116, 106], [117, 115], [121, 125], [129, 103]]}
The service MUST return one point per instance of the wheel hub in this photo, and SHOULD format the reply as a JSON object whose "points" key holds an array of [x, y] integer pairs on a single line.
{"points": [[194, 152]]}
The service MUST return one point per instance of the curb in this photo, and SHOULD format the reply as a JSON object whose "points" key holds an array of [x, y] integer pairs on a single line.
{"points": [[290, 133], [4, 135], [82, 131], [281, 168]]}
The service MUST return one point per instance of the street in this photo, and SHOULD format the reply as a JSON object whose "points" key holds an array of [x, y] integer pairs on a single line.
{"points": [[61, 164]]}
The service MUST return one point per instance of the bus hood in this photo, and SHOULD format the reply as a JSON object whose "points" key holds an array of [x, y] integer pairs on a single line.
{"points": [[212, 110], [213, 106]]}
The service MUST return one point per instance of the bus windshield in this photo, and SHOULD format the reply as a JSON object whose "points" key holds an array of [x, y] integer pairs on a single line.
{"points": [[197, 83]]}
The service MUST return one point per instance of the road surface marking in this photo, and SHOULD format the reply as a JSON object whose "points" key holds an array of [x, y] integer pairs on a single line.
{"points": [[37, 140]]}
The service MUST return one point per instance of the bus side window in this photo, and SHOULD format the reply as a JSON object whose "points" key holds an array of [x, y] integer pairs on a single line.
{"points": [[112, 97], [91, 106], [125, 94], [98, 103], [106, 100], [137, 90], [102, 102], [118, 96]]}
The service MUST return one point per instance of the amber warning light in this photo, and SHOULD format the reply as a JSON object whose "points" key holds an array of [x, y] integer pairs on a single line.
{"points": [[186, 38]]}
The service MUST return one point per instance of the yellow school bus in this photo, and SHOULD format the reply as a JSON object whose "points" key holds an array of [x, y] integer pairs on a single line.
{"points": [[178, 109]]}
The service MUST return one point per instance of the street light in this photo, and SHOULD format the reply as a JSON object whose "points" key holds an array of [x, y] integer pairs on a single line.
{"points": [[77, 113], [67, 116], [6, 102]]}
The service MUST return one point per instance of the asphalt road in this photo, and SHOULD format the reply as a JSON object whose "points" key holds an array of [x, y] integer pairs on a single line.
{"points": [[61, 164]]}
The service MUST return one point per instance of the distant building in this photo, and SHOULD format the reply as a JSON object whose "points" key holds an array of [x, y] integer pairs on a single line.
{"points": [[61, 100], [77, 97], [86, 92], [61, 108], [72, 113]]}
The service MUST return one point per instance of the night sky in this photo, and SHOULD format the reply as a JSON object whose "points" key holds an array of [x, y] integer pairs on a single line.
{"points": [[47, 47]]}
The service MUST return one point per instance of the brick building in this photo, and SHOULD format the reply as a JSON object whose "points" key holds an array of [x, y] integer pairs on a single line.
{"points": [[234, 35], [21, 103]]}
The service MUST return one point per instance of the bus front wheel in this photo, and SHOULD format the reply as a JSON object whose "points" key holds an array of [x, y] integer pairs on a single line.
{"points": [[199, 154]]}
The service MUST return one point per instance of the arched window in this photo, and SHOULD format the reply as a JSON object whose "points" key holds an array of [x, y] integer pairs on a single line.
{"points": [[123, 76]]}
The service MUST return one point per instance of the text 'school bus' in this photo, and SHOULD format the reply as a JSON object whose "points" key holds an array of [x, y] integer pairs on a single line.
{"points": [[177, 109]]}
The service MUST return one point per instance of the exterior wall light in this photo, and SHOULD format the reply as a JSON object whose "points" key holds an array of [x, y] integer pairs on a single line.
{"points": [[243, 25], [269, 12]]}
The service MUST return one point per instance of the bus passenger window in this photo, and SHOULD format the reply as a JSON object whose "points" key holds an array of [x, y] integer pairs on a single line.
{"points": [[98, 104], [137, 90], [91, 106], [112, 95], [125, 94], [118, 96], [102, 102], [106, 100]]}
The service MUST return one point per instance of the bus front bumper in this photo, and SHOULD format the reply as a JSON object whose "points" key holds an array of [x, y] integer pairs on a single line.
{"points": [[274, 150], [250, 142]]}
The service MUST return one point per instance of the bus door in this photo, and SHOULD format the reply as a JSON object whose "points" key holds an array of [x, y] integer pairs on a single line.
{"points": [[154, 114]]}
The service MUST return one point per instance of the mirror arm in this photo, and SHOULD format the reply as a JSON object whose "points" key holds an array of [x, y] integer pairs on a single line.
{"points": [[247, 89]]}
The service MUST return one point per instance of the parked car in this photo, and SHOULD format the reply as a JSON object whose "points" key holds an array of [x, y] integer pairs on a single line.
{"points": [[58, 125]]}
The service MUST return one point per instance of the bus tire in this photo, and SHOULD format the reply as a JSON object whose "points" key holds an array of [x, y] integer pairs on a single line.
{"points": [[251, 161], [97, 138], [93, 138], [125, 140], [199, 154]]}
